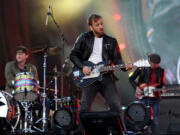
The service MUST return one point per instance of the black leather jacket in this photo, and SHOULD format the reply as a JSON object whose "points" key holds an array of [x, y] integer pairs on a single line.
{"points": [[143, 75], [83, 48]]}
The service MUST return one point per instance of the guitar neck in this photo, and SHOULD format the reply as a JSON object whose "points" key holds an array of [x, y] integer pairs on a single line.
{"points": [[108, 68]]}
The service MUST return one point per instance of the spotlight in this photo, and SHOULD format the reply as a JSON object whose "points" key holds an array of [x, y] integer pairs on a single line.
{"points": [[63, 119], [137, 116]]}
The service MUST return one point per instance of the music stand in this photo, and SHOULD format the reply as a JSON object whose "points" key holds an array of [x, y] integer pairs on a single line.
{"points": [[101, 123]]}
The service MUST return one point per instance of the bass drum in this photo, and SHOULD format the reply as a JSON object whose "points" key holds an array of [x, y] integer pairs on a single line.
{"points": [[137, 116], [9, 109]]}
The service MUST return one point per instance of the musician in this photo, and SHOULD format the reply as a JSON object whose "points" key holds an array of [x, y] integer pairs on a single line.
{"points": [[150, 76], [21, 65], [96, 46]]}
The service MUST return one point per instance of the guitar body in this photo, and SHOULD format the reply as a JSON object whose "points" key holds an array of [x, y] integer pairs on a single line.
{"points": [[147, 91], [81, 80]]}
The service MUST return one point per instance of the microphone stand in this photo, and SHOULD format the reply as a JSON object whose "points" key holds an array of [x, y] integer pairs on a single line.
{"points": [[63, 40]]}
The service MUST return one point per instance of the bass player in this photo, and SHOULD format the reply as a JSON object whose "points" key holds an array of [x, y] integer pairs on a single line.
{"points": [[153, 76]]}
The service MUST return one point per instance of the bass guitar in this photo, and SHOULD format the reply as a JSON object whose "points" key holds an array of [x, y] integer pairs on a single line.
{"points": [[149, 91]]}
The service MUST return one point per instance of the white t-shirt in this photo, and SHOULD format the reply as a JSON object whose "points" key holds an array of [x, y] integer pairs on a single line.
{"points": [[96, 55]]}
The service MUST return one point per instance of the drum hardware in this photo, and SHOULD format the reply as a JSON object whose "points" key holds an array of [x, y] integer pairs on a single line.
{"points": [[10, 110], [28, 120], [46, 51], [44, 120], [55, 86]]}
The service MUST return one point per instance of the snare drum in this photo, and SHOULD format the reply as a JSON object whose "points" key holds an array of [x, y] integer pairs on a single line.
{"points": [[25, 87], [9, 109]]}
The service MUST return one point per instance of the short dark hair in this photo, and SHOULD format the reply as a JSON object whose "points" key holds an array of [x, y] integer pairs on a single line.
{"points": [[93, 17], [154, 58], [22, 48]]}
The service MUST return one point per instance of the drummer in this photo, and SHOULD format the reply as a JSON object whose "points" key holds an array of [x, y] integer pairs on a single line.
{"points": [[17, 66]]}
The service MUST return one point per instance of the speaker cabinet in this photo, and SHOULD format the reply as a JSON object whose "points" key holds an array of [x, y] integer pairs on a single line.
{"points": [[101, 123], [169, 119]]}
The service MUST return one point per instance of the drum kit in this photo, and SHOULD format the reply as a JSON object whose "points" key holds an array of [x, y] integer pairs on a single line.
{"points": [[17, 107]]}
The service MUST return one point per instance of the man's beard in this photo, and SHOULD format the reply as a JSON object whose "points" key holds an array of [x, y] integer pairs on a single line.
{"points": [[99, 33]]}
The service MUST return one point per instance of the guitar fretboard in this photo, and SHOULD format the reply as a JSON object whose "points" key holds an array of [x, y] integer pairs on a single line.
{"points": [[115, 67]]}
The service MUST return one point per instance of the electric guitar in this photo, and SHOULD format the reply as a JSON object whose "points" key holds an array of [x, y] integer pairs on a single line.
{"points": [[148, 91], [82, 80]]}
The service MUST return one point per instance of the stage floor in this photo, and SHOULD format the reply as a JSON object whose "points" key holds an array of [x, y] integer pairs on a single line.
{"points": [[58, 133]]}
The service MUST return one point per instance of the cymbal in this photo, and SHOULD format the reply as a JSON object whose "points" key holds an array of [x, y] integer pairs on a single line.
{"points": [[47, 50]]}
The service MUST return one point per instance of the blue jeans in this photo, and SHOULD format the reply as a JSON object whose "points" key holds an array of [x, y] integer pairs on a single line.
{"points": [[154, 103]]}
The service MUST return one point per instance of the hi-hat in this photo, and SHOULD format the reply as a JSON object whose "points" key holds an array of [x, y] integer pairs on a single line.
{"points": [[47, 50]]}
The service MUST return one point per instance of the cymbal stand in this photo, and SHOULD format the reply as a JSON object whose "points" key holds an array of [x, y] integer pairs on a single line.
{"points": [[43, 119], [44, 94], [55, 86]]}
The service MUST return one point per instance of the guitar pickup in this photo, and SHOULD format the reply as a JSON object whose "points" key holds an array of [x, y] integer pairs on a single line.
{"points": [[76, 74]]}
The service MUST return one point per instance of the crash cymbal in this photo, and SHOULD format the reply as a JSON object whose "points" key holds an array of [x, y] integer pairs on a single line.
{"points": [[48, 50]]}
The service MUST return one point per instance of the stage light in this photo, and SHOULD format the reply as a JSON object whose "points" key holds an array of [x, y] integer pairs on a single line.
{"points": [[117, 17], [137, 117], [122, 46], [63, 119]]}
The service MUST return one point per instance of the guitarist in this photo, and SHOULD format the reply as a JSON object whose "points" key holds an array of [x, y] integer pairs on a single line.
{"points": [[95, 46], [150, 76]]}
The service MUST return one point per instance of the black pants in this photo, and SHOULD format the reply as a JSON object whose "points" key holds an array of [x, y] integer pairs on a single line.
{"points": [[107, 89]]}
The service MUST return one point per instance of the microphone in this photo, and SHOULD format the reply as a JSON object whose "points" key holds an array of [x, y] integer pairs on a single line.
{"points": [[48, 13]]}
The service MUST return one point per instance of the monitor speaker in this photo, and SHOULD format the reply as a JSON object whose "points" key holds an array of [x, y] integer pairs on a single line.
{"points": [[101, 123], [169, 119]]}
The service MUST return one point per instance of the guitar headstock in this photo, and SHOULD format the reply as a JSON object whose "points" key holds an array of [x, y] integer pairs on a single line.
{"points": [[141, 63]]}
